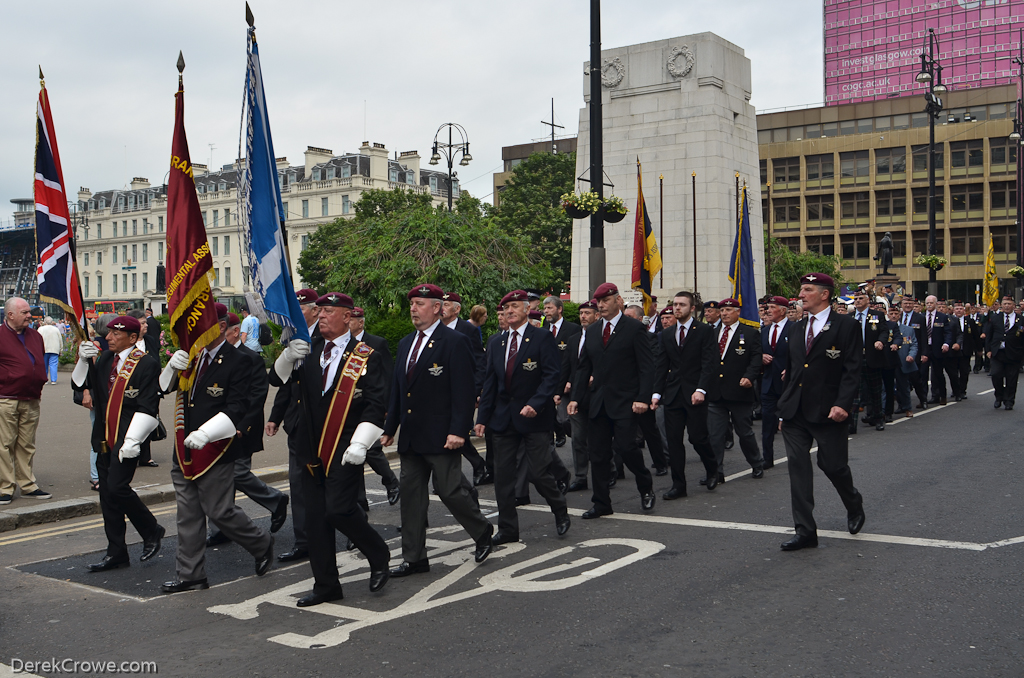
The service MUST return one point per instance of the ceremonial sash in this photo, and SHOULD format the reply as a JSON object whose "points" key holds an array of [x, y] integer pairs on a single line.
{"points": [[116, 396], [194, 463], [341, 400]]}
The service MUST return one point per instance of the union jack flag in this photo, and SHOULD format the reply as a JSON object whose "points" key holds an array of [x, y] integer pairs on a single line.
{"points": [[56, 272]]}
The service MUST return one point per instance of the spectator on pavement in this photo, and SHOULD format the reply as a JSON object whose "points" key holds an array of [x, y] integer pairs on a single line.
{"points": [[53, 342], [22, 375], [250, 335]]}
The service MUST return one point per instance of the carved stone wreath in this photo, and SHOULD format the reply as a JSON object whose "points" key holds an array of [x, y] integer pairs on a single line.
{"points": [[612, 72], [674, 67]]}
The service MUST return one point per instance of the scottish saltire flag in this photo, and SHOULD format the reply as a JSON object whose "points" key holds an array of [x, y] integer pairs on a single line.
{"points": [[741, 267], [56, 271], [261, 213], [646, 257]]}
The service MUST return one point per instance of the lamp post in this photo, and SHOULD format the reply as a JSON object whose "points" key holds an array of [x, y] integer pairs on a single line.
{"points": [[931, 75], [1017, 136], [450, 151]]}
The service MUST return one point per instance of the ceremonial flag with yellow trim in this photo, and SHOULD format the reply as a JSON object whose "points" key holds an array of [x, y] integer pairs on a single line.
{"points": [[990, 290], [646, 256], [741, 267], [190, 301]]}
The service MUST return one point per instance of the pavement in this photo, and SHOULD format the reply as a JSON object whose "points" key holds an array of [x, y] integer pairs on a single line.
{"points": [[698, 586]]}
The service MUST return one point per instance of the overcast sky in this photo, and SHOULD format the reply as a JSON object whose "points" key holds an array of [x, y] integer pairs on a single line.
{"points": [[493, 67]]}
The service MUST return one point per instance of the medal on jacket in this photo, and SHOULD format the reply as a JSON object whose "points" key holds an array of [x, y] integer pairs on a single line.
{"points": [[740, 350]]}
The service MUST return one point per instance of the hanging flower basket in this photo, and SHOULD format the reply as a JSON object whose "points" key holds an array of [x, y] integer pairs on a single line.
{"points": [[580, 205], [1017, 272], [932, 261], [614, 210]]}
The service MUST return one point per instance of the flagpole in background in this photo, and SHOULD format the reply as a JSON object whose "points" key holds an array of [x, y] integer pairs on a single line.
{"points": [[741, 267], [661, 218], [646, 256], [693, 180]]}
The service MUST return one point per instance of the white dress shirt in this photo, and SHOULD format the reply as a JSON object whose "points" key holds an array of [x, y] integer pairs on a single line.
{"points": [[678, 328], [557, 326], [519, 340], [331, 365], [732, 333], [820, 320], [614, 322], [778, 332]]}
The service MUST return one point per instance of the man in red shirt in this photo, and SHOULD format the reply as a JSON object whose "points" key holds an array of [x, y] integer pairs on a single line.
{"points": [[22, 375]]}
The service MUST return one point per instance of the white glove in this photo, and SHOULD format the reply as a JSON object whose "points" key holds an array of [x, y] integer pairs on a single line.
{"points": [[362, 438], [87, 350], [177, 363], [138, 430], [217, 428], [295, 351]]}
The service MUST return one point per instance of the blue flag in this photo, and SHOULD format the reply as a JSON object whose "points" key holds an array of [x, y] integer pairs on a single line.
{"points": [[741, 268], [261, 212]]}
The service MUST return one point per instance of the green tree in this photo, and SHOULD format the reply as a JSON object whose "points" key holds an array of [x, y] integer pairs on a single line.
{"points": [[789, 266], [398, 239], [530, 206]]}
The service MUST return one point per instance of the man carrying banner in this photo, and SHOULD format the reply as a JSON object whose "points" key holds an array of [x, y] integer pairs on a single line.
{"points": [[126, 399], [343, 383]]}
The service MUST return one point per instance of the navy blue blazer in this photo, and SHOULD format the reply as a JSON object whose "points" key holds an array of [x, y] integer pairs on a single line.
{"points": [[942, 333], [771, 377], [535, 381], [439, 398]]}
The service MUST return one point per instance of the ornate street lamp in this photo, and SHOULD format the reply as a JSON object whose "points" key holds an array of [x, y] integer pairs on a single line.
{"points": [[450, 151], [931, 75]]}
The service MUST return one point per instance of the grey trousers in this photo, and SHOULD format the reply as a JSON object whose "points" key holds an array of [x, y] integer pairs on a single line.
{"points": [[525, 472], [211, 495], [741, 413], [415, 474], [535, 448], [251, 486], [580, 459]]}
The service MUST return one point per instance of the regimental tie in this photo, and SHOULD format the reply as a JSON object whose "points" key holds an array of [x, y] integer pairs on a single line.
{"points": [[775, 335], [413, 355], [1006, 322], [554, 331], [931, 315], [510, 364], [325, 364], [810, 334], [113, 369], [682, 336], [203, 366], [724, 341], [607, 334]]}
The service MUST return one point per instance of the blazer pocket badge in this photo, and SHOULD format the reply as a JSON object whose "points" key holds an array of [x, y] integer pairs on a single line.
{"points": [[740, 350], [436, 370], [561, 346], [215, 391], [833, 352], [131, 393], [529, 365]]}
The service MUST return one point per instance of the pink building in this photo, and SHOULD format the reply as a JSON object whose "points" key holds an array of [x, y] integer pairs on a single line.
{"points": [[873, 47]]}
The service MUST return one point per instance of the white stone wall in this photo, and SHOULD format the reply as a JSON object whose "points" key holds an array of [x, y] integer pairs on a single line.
{"points": [[700, 122]]}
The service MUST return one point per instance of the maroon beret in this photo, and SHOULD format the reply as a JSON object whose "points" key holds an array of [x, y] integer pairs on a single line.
{"points": [[452, 296], [778, 301], [819, 279], [307, 296], [233, 320], [1009, 298], [605, 290], [728, 303], [515, 295], [222, 311], [592, 305], [336, 299], [536, 315], [126, 324], [358, 312], [426, 291], [668, 310]]}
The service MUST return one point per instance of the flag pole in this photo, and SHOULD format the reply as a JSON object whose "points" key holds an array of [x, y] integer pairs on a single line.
{"points": [[693, 179], [661, 220]]}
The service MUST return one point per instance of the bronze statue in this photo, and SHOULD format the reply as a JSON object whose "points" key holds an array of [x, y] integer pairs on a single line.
{"points": [[884, 255]]}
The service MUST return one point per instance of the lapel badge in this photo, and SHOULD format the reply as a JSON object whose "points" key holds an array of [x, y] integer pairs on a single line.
{"points": [[131, 393], [740, 350], [561, 346], [436, 370], [826, 326], [215, 391], [357, 393], [529, 365], [833, 352], [430, 344]]}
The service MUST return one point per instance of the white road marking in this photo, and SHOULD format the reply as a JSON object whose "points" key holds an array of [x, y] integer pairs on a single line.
{"points": [[991, 390]]}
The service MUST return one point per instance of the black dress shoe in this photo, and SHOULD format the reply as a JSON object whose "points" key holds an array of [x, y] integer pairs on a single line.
{"points": [[484, 546], [674, 493], [109, 563], [562, 485], [855, 521], [217, 538], [661, 471], [1008, 406], [756, 415], [522, 501], [279, 515], [317, 598], [502, 538], [963, 396], [151, 546], [394, 492], [407, 568], [577, 485], [757, 473], [729, 444], [488, 478], [150, 464], [880, 426], [560, 440], [922, 405], [999, 403], [800, 542], [349, 546], [264, 561], [177, 586], [703, 481], [888, 419], [711, 482], [596, 513], [478, 475], [957, 397], [562, 523], [865, 420], [378, 578], [933, 401], [294, 554], [611, 483], [647, 501], [942, 400]]}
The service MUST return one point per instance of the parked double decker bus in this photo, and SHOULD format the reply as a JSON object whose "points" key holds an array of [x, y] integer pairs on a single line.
{"points": [[120, 307]]}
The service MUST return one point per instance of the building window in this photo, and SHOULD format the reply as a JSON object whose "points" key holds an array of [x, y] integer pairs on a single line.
{"points": [[86, 258], [921, 203], [200, 189], [114, 278], [103, 203], [113, 254], [160, 251], [216, 218], [316, 175], [135, 253], [855, 249], [323, 207], [965, 245], [899, 247], [854, 164], [99, 285], [330, 173], [792, 243], [785, 170], [99, 231], [124, 254], [346, 171], [145, 226], [410, 178], [216, 277], [204, 219], [855, 209], [305, 209], [160, 223], [891, 203], [285, 205], [227, 277], [822, 244], [135, 226], [213, 247], [966, 201], [344, 204], [86, 285], [1003, 152], [1004, 197], [821, 211], [124, 282], [763, 166], [891, 164], [393, 175], [135, 279], [227, 217], [921, 243], [787, 210], [433, 185], [223, 186], [145, 281], [820, 167], [227, 245], [920, 155], [145, 252], [1004, 242], [99, 258], [967, 153], [305, 242], [124, 229]]}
